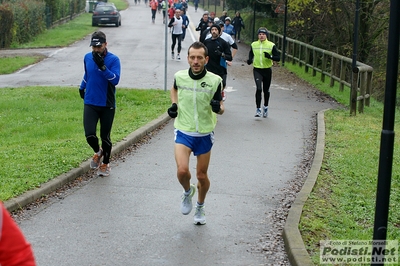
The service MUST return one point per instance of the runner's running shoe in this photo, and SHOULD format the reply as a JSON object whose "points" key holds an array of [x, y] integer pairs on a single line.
{"points": [[200, 215], [258, 112], [223, 95], [186, 205], [104, 170], [95, 163], [265, 113]]}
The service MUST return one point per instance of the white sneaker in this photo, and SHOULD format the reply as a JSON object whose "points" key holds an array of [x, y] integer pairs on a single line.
{"points": [[258, 112], [178, 57], [173, 55], [186, 205], [200, 215], [265, 113]]}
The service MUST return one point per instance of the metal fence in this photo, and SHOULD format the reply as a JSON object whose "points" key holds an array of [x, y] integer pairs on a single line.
{"points": [[332, 66]]}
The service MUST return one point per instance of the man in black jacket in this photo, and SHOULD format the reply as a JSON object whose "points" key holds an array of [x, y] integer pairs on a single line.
{"points": [[203, 24], [219, 51], [206, 31]]}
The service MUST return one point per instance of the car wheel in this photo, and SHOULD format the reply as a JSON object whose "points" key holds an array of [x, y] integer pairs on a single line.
{"points": [[116, 24]]}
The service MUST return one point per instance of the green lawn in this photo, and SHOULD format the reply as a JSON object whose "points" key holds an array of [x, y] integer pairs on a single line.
{"points": [[9, 65], [42, 134], [342, 203], [41, 128]]}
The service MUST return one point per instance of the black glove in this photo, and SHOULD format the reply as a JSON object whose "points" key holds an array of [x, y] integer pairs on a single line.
{"points": [[215, 105], [173, 110], [249, 61], [98, 59], [267, 55], [82, 93]]}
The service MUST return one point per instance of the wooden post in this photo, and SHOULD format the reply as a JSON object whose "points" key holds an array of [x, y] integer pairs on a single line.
{"points": [[369, 87], [314, 63], [353, 92], [307, 59], [333, 70], [323, 67], [361, 102], [342, 75]]}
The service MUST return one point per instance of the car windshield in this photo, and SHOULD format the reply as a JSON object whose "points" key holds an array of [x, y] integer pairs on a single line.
{"points": [[104, 8]]}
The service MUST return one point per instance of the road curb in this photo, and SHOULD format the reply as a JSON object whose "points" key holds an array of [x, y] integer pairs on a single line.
{"points": [[294, 245], [46, 188]]}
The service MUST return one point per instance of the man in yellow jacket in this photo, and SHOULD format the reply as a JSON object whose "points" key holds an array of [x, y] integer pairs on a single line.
{"points": [[262, 54], [196, 99]]}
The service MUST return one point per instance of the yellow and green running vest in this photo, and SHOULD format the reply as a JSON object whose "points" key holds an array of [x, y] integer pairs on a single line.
{"points": [[194, 97], [258, 47]]}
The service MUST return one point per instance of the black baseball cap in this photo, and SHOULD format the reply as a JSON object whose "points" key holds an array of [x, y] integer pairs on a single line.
{"points": [[98, 38]]}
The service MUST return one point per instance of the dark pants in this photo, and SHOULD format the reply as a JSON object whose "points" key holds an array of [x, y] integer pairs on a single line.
{"points": [[262, 77], [91, 116], [176, 37], [183, 34], [237, 34], [153, 14]]}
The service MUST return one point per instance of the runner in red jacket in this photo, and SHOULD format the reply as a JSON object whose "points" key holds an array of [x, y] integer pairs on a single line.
{"points": [[14, 249]]}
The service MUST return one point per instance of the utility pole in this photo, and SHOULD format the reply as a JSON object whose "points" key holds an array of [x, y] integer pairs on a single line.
{"points": [[284, 34], [387, 134]]}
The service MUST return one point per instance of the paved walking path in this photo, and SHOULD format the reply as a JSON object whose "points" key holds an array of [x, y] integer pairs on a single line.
{"points": [[132, 217]]}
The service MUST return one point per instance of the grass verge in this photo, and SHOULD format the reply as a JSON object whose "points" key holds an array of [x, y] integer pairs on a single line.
{"points": [[59, 36], [62, 35], [342, 203], [42, 134], [11, 64], [68, 33], [41, 127]]}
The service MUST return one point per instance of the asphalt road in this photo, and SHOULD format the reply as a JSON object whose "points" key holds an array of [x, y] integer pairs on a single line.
{"points": [[132, 217], [138, 43]]}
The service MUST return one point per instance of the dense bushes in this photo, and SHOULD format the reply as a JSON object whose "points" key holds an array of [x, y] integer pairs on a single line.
{"points": [[6, 22], [22, 20], [59, 9], [28, 20]]}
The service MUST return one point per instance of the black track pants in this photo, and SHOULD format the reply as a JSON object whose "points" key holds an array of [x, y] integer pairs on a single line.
{"points": [[91, 116], [262, 78], [176, 37]]}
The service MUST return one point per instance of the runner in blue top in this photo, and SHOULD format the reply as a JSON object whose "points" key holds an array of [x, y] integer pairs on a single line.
{"points": [[97, 89], [228, 28]]}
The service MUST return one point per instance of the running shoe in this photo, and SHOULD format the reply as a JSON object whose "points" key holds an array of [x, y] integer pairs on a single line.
{"points": [[95, 163], [104, 170], [258, 112], [173, 55], [178, 57], [265, 113], [200, 215], [186, 205]]}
